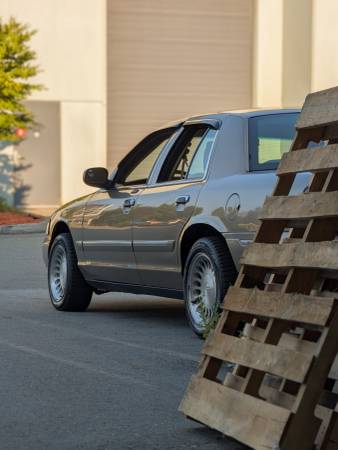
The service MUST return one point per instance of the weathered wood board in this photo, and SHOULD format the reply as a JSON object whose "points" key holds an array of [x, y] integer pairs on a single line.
{"points": [[319, 109], [317, 160], [314, 255], [298, 307]]}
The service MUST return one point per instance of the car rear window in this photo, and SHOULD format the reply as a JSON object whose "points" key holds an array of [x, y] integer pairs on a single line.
{"points": [[269, 137]]}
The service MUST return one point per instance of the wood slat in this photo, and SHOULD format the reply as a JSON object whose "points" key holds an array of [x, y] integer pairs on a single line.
{"points": [[319, 109], [305, 160], [276, 397], [334, 426], [334, 369], [294, 306], [249, 420], [316, 255], [269, 358], [254, 333], [310, 205], [292, 342], [325, 415], [234, 381]]}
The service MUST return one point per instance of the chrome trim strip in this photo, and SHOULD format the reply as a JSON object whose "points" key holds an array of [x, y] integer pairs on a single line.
{"points": [[242, 235], [154, 246], [109, 265], [108, 244]]}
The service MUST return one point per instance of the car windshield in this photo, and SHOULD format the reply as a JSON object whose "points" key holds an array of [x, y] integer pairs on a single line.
{"points": [[269, 137]]}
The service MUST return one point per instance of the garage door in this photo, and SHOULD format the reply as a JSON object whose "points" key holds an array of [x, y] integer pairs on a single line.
{"points": [[171, 59]]}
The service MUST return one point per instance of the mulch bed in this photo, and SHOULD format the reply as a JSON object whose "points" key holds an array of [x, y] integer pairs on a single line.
{"points": [[13, 218]]}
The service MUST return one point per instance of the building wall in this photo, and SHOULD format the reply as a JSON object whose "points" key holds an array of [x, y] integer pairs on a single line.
{"points": [[295, 47], [71, 48], [168, 60], [268, 50], [324, 71], [37, 168], [123, 67]]}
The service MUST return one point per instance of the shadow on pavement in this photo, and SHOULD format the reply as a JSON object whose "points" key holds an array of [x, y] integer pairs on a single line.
{"points": [[149, 307]]}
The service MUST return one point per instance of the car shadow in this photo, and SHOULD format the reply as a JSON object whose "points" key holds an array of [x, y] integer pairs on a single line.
{"points": [[139, 306]]}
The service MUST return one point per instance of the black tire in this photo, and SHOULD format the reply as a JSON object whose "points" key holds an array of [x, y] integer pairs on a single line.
{"points": [[75, 294], [214, 248]]}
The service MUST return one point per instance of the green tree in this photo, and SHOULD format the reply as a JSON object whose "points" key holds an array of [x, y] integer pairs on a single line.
{"points": [[16, 69]]}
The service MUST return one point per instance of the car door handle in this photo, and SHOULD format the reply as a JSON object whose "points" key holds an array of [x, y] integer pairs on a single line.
{"points": [[129, 202], [182, 200]]}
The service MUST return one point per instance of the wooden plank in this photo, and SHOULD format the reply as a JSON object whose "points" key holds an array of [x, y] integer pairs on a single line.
{"points": [[303, 206], [334, 369], [277, 397], [319, 109], [313, 255], [234, 381], [320, 159], [325, 415], [334, 426], [293, 306], [254, 333], [292, 342], [243, 417], [268, 358], [305, 160]]}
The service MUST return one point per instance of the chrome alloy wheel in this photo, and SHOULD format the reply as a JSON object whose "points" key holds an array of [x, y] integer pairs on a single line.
{"points": [[202, 290], [58, 273]]}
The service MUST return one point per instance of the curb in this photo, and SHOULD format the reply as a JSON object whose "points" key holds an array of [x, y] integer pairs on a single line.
{"points": [[25, 228]]}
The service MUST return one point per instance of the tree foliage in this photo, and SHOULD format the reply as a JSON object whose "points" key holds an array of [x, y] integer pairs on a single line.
{"points": [[16, 70]]}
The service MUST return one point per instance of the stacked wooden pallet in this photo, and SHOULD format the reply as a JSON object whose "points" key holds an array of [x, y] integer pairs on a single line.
{"points": [[277, 395]]}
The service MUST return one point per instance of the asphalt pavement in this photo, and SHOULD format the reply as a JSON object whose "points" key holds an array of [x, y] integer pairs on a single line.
{"points": [[109, 378]]}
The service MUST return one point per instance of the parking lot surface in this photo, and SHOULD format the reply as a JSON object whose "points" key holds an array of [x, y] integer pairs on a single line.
{"points": [[109, 378]]}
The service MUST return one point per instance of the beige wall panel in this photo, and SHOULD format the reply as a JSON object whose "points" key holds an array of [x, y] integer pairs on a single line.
{"points": [[324, 44], [70, 44], [168, 60], [37, 180], [82, 145], [268, 53], [297, 33]]}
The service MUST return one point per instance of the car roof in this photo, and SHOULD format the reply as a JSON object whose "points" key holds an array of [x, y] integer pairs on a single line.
{"points": [[244, 113], [262, 112]]}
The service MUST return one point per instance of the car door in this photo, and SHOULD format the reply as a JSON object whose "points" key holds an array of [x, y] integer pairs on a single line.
{"points": [[108, 217], [165, 206]]}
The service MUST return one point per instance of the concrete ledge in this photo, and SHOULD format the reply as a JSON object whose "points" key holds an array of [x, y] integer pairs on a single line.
{"points": [[25, 228]]}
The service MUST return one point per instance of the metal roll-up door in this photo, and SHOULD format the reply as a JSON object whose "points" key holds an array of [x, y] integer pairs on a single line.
{"points": [[171, 59]]}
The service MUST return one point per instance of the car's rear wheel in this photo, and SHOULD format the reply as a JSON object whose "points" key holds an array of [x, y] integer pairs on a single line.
{"points": [[68, 289], [208, 273]]}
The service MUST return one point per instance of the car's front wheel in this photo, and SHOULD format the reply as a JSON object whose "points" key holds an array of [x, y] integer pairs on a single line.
{"points": [[208, 273], [68, 289]]}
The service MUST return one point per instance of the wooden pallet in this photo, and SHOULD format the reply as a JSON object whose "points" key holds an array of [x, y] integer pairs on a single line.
{"points": [[327, 411], [285, 304]]}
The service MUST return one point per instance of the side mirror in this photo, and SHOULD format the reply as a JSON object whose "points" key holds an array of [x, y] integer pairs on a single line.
{"points": [[96, 177]]}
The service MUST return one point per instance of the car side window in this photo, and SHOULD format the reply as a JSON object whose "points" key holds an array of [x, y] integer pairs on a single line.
{"points": [[269, 137], [200, 161], [189, 157], [137, 166]]}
